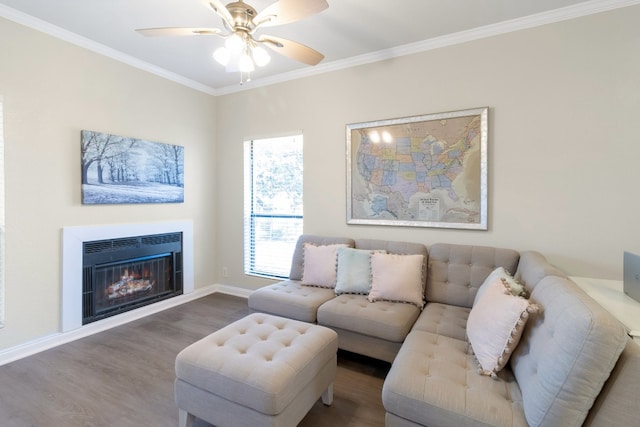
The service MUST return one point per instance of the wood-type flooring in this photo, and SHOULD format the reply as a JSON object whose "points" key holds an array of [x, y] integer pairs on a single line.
{"points": [[124, 376]]}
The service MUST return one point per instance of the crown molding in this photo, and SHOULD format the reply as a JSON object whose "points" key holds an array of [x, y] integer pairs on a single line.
{"points": [[562, 14], [73, 38], [544, 18]]}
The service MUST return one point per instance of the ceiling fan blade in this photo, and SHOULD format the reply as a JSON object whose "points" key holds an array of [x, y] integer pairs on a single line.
{"points": [[285, 11], [292, 49], [178, 31], [219, 8]]}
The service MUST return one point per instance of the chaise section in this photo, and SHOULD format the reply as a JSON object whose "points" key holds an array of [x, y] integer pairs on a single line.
{"points": [[434, 382]]}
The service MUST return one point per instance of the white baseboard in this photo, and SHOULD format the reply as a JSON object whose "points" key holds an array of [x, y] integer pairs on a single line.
{"points": [[45, 343], [233, 290]]}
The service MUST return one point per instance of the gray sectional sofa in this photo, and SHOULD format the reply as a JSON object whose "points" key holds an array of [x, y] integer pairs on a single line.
{"points": [[574, 364]]}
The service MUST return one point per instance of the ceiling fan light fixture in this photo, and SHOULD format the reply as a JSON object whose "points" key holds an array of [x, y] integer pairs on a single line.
{"points": [[222, 55], [260, 56], [245, 64], [241, 51], [234, 43]]}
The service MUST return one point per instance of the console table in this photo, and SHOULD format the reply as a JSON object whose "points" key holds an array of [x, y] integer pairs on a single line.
{"points": [[609, 294]]}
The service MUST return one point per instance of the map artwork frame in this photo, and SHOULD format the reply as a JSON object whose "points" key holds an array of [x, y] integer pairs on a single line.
{"points": [[419, 171]]}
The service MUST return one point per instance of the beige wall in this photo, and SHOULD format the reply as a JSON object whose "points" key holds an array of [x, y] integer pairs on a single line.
{"points": [[51, 91], [564, 144], [563, 148]]}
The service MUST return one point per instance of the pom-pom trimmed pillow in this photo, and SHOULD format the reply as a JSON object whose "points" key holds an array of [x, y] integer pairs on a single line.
{"points": [[515, 288], [354, 271], [396, 278], [320, 264], [495, 325]]}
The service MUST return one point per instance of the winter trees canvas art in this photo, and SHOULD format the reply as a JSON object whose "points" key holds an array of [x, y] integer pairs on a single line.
{"points": [[121, 170]]}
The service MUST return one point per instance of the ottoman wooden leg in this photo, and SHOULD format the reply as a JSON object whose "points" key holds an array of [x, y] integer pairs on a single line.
{"points": [[185, 419], [327, 396]]}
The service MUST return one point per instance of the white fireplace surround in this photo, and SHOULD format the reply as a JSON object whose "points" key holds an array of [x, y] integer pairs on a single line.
{"points": [[74, 237]]}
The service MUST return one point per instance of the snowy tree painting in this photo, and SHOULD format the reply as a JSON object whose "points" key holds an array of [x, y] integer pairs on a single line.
{"points": [[119, 170]]}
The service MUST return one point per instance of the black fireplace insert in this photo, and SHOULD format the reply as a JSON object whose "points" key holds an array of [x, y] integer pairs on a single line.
{"points": [[126, 273]]}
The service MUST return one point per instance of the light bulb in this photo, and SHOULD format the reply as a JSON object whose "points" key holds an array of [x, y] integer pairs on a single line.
{"points": [[245, 64], [374, 136], [222, 55], [386, 137], [261, 56], [234, 43]]}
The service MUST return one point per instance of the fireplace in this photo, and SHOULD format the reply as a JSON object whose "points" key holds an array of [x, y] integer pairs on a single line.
{"points": [[122, 274]]}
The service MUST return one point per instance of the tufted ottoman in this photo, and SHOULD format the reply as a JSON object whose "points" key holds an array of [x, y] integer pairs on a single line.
{"points": [[261, 370]]}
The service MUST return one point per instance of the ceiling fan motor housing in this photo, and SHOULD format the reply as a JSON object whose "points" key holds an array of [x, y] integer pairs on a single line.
{"points": [[242, 15]]}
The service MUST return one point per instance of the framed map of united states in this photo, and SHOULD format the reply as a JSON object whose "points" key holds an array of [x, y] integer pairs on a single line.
{"points": [[420, 171]]}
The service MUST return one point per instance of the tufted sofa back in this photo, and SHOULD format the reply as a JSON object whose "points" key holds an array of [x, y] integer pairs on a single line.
{"points": [[297, 262], [455, 272]]}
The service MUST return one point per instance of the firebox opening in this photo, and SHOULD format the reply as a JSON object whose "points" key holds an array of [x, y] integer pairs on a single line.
{"points": [[123, 274]]}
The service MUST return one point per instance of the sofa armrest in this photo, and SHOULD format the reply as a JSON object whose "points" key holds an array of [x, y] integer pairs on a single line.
{"points": [[533, 267]]}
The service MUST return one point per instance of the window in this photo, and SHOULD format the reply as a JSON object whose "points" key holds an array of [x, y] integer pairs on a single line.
{"points": [[272, 205], [1, 218]]}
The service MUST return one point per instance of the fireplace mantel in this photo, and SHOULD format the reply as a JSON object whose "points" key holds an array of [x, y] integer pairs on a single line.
{"points": [[74, 237]]}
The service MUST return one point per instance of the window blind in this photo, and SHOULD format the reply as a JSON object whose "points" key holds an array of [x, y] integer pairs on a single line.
{"points": [[273, 217]]}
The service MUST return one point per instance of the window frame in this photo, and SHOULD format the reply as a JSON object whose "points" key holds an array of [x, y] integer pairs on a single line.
{"points": [[251, 217], [2, 218]]}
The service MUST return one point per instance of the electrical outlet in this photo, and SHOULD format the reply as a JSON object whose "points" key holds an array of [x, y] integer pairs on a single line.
{"points": [[225, 272]]}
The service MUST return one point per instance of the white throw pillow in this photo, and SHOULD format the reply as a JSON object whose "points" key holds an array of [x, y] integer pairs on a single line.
{"points": [[515, 287], [320, 264], [397, 278], [495, 325]]}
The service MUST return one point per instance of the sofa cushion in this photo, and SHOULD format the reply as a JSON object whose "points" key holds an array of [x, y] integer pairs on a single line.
{"points": [[495, 325], [290, 299], [354, 271], [443, 319], [433, 382], [390, 321], [566, 353], [297, 261], [456, 272], [396, 278]]}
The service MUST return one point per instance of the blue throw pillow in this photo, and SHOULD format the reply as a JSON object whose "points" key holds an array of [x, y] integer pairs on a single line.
{"points": [[354, 271]]}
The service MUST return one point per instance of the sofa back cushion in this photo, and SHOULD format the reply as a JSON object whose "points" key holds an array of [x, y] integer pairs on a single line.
{"points": [[455, 272], [297, 261], [533, 266], [565, 355], [399, 248]]}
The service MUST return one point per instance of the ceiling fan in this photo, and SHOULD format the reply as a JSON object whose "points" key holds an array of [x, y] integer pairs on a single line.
{"points": [[242, 47]]}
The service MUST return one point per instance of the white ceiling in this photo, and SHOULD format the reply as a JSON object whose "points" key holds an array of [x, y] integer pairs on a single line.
{"points": [[349, 32]]}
